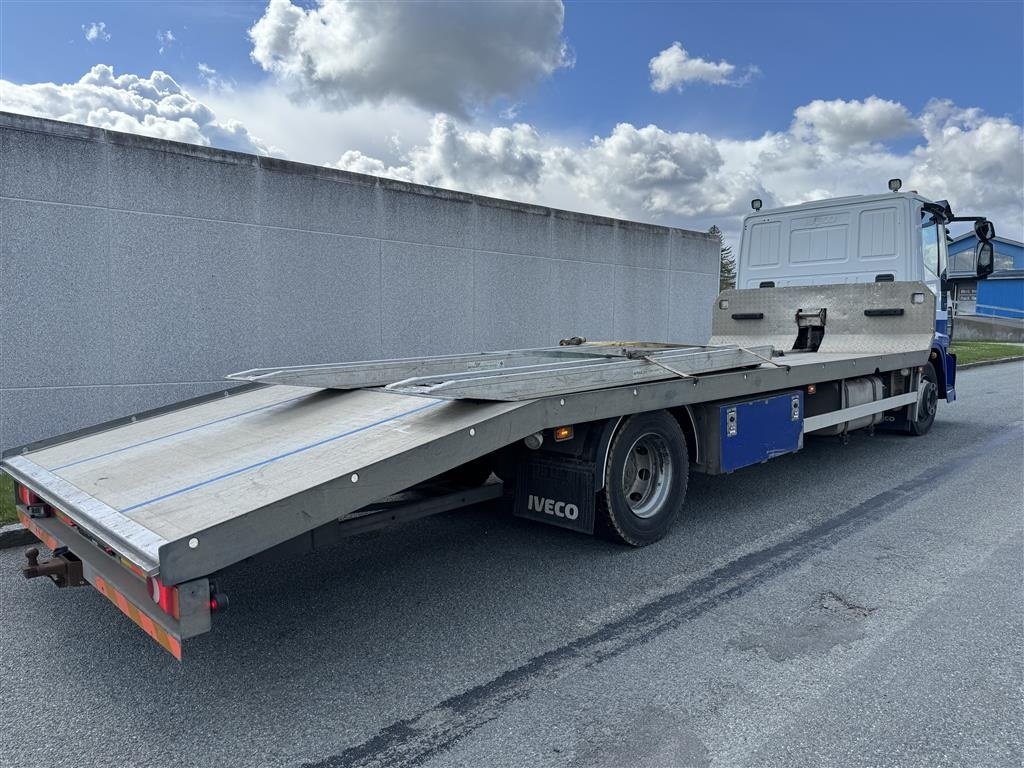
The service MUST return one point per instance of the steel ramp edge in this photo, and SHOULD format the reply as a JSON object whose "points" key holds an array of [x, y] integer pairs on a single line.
{"points": [[530, 383], [362, 374], [378, 373], [137, 543]]}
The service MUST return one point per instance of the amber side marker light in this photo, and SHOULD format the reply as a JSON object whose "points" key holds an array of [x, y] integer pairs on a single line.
{"points": [[811, 389], [562, 434]]}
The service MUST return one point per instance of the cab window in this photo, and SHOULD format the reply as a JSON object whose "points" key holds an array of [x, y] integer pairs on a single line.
{"points": [[930, 246], [943, 252]]}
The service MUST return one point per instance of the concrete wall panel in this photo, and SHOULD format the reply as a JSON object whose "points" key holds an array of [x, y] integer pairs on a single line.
{"points": [[40, 166], [584, 238], [54, 295], [513, 301], [641, 304], [427, 300], [318, 202], [643, 247], [325, 307], [689, 313], [152, 180], [182, 294], [583, 300], [136, 272], [431, 219], [524, 230], [688, 252]]}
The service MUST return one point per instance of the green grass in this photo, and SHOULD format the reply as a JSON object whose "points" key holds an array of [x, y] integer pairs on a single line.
{"points": [[976, 351], [7, 514]]}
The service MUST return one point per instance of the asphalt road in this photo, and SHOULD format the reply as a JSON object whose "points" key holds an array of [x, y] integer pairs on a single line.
{"points": [[857, 605]]}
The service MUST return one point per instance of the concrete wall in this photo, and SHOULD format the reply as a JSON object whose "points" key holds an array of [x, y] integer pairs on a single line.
{"points": [[977, 328], [135, 272]]}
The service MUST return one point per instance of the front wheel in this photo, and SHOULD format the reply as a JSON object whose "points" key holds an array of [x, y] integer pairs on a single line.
{"points": [[645, 479], [928, 402]]}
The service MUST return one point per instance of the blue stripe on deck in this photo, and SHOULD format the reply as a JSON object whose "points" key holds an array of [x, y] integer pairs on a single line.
{"points": [[280, 456], [179, 432]]}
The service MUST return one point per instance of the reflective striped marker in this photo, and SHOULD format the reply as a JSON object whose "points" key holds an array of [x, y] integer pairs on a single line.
{"points": [[168, 642]]}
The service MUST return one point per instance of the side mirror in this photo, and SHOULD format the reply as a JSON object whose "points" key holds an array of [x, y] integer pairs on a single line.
{"points": [[984, 229], [983, 259]]}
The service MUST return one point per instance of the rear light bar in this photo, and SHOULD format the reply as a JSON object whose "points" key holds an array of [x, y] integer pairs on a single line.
{"points": [[25, 496], [36, 507], [164, 596]]}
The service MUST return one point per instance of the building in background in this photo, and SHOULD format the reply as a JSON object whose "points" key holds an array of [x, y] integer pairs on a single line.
{"points": [[1002, 293]]}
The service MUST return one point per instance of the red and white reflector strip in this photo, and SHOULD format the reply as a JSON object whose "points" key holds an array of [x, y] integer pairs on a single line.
{"points": [[38, 532], [167, 641]]}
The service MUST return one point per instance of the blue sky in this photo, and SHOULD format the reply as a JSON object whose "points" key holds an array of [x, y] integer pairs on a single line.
{"points": [[783, 57], [971, 53]]}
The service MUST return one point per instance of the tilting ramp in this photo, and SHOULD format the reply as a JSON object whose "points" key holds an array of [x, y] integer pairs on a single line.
{"points": [[635, 366], [164, 479], [520, 374]]}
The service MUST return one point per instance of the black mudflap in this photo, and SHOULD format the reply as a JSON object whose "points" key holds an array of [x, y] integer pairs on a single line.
{"points": [[558, 491]]}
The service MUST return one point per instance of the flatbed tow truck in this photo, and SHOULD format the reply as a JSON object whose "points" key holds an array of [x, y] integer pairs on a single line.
{"points": [[598, 438]]}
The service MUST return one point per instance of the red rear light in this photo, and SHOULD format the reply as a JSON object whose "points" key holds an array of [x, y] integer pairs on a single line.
{"points": [[165, 597], [25, 496]]}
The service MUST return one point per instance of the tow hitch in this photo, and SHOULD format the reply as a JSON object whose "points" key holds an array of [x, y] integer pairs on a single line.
{"points": [[64, 569]]}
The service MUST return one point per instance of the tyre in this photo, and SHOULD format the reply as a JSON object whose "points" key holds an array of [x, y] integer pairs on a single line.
{"points": [[929, 403], [645, 480]]}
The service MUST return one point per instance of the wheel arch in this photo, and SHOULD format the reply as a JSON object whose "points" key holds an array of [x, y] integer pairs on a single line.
{"points": [[937, 359], [683, 416]]}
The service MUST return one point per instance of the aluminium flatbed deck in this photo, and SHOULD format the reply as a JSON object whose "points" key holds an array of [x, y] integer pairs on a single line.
{"points": [[187, 492]]}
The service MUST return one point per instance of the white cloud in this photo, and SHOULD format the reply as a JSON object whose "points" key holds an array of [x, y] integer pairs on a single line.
{"points": [[436, 55], [152, 106], [311, 135], [503, 161], [212, 81], [975, 161], [695, 180], [673, 68], [166, 38], [647, 169], [842, 124], [96, 30]]}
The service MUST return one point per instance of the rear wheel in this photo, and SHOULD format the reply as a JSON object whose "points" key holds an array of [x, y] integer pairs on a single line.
{"points": [[645, 479], [928, 402]]}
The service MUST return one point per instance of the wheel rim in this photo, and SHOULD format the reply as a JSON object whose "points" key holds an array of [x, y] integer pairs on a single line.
{"points": [[647, 475], [929, 403]]}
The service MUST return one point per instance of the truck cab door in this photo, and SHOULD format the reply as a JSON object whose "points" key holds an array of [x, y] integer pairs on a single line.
{"points": [[933, 262]]}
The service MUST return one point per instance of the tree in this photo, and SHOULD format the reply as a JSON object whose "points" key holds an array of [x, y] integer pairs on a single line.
{"points": [[727, 270]]}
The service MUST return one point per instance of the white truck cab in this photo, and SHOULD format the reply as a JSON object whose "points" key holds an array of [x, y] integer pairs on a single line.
{"points": [[889, 237], [861, 239]]}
